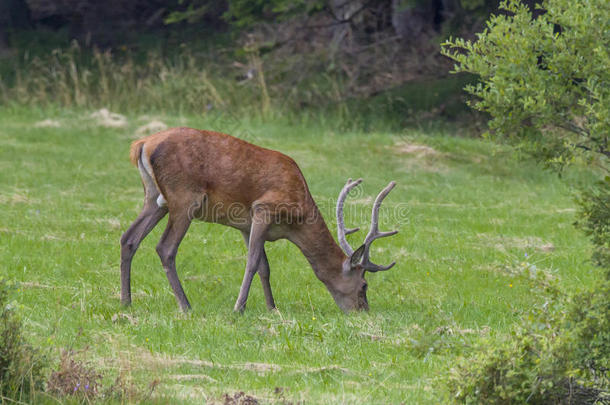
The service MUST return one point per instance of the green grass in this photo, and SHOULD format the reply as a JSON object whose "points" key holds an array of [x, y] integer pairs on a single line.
{"points": [[468, 213]]}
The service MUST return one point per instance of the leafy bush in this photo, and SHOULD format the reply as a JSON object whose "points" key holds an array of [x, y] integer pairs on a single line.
{"points": [[595, 214], [544, 80], [21, 365], [560, 356], [588, 323]]}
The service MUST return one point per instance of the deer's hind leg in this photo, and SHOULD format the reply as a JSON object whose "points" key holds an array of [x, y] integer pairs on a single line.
{"points": [[256, 242], [263, 274], [177, 225], [151, 214], [182, 210]]}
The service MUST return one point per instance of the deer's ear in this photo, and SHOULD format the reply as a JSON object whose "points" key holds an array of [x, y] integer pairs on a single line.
{"points": [[357, 256]]}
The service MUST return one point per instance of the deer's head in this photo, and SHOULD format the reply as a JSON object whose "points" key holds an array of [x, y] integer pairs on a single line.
{"points": [[350, 291]]}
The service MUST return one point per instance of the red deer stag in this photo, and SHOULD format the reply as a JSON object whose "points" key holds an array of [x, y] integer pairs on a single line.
{"points": [[214, 177]]}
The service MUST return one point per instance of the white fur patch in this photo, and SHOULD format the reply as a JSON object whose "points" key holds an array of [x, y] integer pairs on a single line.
{"points": [[150, 188], [148, 178], [145, 162], [161, 201]]}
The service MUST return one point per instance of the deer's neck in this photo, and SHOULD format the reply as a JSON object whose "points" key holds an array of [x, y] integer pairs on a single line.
{"points": [[319, 247]]}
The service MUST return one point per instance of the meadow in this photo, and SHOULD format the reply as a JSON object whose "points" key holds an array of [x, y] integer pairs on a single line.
{"points": [[479, 232]]}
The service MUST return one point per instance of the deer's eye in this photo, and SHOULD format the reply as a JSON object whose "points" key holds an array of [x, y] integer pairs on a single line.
{"points": [[365, 287]]}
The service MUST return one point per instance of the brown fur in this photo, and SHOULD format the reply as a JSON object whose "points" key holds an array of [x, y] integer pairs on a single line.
{"points": [[227, 170]]}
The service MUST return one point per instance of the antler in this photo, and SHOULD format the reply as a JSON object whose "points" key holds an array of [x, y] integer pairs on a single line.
{"points": [[341, 230], [374, 232]]}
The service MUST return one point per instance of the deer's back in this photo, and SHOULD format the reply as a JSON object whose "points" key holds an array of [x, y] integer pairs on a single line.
{"points": [[189, 163]]}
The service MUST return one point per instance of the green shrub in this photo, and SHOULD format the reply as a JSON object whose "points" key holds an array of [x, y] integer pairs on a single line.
{"points": [[587, 327], [560, 356], [595, 221], [544, 80], [21, 365]]}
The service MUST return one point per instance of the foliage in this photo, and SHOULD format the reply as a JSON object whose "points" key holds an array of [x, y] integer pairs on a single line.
{"points": [[560, 356], [544, 80], [248, 12], [474, 4], [21, 365], [243, 13], [467, 5], [194, 12], [595, 220], [588, 324]]}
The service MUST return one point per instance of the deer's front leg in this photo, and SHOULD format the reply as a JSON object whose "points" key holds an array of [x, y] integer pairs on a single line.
{"points": [[256, 251], [263, 273]]}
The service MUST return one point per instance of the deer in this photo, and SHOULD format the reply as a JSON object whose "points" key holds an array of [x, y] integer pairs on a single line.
{"points": [[203, 175]]}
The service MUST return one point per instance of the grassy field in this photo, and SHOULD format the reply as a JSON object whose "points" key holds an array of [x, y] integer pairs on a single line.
{"points": [[473, 222]]}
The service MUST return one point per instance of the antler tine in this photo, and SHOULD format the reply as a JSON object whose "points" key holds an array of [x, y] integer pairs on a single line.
{"points": [[374, 232], [341, 230], [373, 268]]}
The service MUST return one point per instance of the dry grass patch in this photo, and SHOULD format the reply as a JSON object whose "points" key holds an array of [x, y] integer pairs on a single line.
{"points": [[112, 223], [48, 123], [50, 237], [117, 318], [416, 150], [74, 377], [420, 157], [151, 128], [191, 377], [455, 330], [144, 359], [18, 196], [34, 284], [108, 119], [239, 398], [502, 243]]}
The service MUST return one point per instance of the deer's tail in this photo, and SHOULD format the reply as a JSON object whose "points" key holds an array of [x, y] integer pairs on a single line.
{"points": [[136, 151]]}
